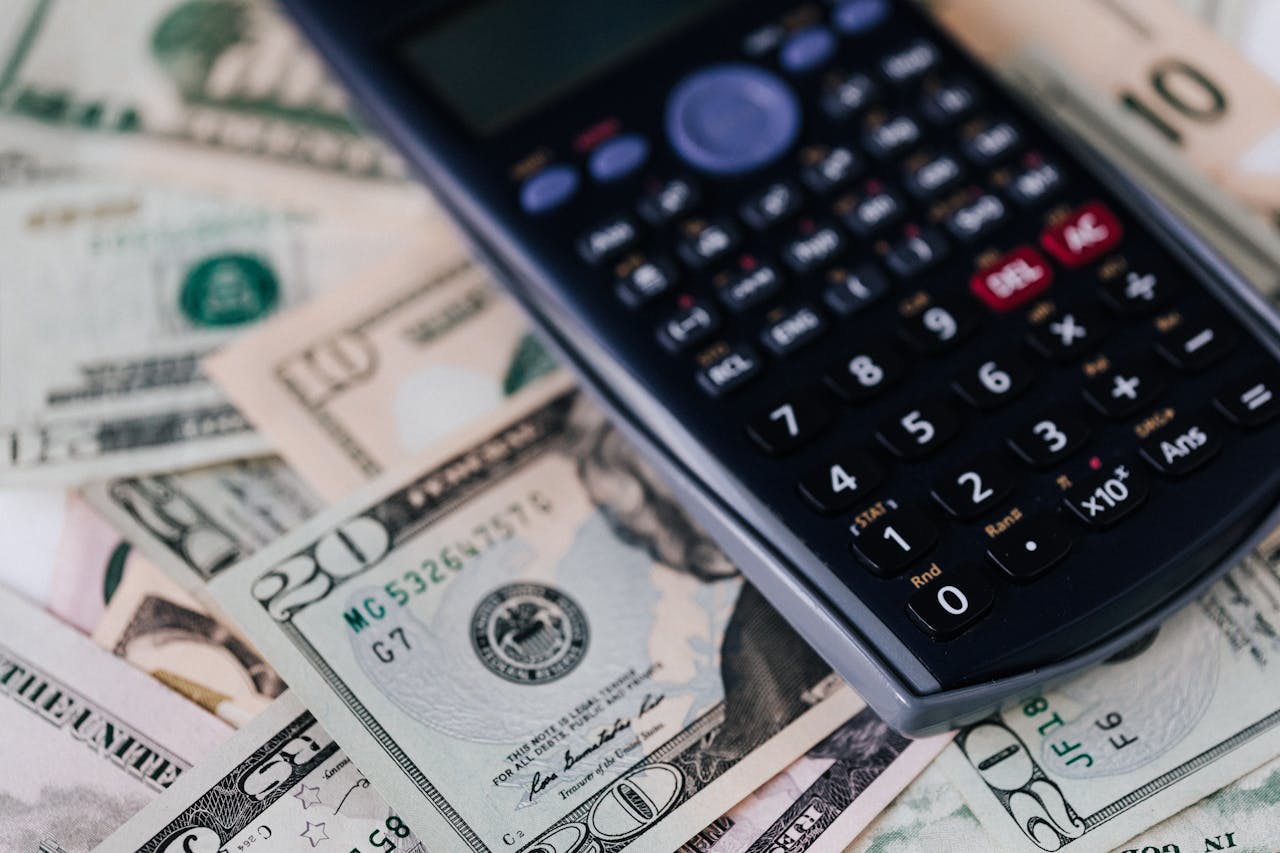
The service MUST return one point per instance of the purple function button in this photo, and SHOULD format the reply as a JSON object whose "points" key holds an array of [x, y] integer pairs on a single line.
{"points": [[731, 119], [807, 50], [548, 189], [854, 17], [618, 157]]}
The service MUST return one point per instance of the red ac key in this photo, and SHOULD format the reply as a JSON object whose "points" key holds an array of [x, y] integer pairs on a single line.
{"points": [[1084, 235], [1014, 279]]}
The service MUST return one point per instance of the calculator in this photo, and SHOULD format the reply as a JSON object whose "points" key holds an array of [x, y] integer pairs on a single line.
{"points": [[967, 405]]}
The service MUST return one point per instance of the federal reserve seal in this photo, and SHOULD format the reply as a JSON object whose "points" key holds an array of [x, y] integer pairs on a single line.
{"points": [[529, 633]]}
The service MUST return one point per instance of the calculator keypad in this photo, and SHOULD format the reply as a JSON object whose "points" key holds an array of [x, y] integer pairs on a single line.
{"points": [[950, 349]]}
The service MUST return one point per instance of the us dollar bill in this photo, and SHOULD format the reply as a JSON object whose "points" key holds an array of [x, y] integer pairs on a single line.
{"points": [[88, 740], [154, 625], [114, 290], [824, 799], [530, 647], [360, 381], [1191, 708], [223, 95], [197, 522], [280, 784]]}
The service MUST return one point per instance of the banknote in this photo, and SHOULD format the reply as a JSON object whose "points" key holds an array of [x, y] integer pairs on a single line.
{"points": [[88, 741], [358, 382], [90, 561], [154, 625], [1170, 73], [280, 784], [114, 290], [198, 522], [1192, 707], [826, 797], [530, 647], [223, 94], [31, 525]]}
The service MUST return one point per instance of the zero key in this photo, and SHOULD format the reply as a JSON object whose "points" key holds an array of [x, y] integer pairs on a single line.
{"points": [[952, 601]]}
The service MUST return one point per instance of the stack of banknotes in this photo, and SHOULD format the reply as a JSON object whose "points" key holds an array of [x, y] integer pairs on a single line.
{"points": [[309, 545]]}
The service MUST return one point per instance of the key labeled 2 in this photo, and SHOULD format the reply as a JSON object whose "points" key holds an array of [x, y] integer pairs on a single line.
{"points": [[972, 489]]}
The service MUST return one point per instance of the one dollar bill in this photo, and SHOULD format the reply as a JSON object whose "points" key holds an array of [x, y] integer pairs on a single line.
{"points": [[529, 646]]}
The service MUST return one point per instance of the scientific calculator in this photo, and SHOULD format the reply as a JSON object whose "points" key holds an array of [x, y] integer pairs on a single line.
{"points": [[968, 407]]}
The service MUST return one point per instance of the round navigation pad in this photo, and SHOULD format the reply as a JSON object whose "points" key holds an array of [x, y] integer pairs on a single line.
{"points": [[730, 119]]}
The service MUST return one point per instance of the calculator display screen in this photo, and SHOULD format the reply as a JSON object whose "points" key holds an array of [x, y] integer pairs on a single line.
{"points": [[494, 61]]}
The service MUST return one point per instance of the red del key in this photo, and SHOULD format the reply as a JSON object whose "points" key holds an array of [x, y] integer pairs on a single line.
{"points": [[1085, 234], [1015, 278]]}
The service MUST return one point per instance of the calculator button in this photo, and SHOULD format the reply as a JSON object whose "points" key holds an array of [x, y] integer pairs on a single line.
{"points": [[952, 602], [916, 253], [841, 481], [893, 541], [1138, 292], [1084, 235], [825, 169], [816, 245], [727, 368], [941, 326], [1013, 279], [731, 119], [844, 97], [1197, 345], [871, 211], [855, 17], [608, 240], [549, 188], [1030, 548], [777, 202], [664, 201], [688, 326], [1068, 335], [616, 158], [971, 490], [1183, 446], [910, 63], [707, 242], [948, 102], [850, 290], [1050, 438], [1124, 390], [994, 381], [977, 219], [891, 136], [750, 284], [920, 430], [790, 423], [643, 281], [987, 144], [1036, 182], [925, 177], [866, 372], [1251, 400], [787, 331], [806, 50], [1104, 498]]}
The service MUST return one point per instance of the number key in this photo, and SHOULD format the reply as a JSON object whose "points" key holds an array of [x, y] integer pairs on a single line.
{"points": [[840, 482], [790, 422], [994, 381], [919, 430], [969, 491], [890, 543], [866, 373], [1053, 436], [941, 326], [952, 601]]}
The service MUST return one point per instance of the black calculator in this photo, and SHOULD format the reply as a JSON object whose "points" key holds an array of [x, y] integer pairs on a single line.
{"points": [[967, 406]]}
